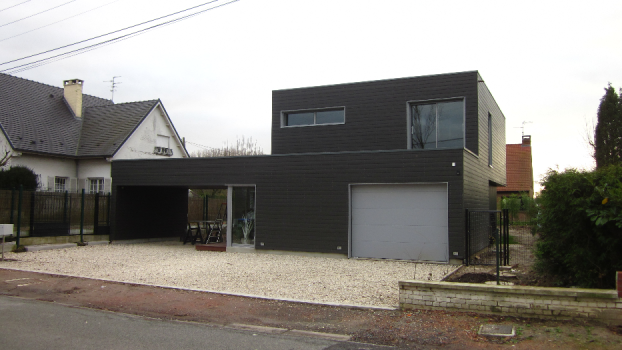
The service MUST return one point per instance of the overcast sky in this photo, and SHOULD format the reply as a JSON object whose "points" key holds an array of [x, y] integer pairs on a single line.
{"points": [[545, 62]]}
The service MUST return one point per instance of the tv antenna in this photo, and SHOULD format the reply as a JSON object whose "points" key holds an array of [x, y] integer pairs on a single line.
{"points": [[523, 127], [113, 86]]}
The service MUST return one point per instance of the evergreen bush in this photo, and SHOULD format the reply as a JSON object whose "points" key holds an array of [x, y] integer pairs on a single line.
{"points": [[18, 175], [580, 227]]}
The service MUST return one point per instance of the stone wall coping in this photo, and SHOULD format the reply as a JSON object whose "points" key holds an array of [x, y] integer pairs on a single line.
{"points": [[529, 290]]}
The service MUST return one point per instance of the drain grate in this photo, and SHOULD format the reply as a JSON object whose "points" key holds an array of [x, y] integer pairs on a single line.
{"points": [[496, 330]]}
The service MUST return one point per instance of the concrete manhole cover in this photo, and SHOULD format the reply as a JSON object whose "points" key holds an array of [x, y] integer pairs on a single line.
{"points": [[496, 330]]}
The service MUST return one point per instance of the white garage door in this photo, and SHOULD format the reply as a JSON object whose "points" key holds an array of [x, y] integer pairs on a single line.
{"points": [[400, 222]]}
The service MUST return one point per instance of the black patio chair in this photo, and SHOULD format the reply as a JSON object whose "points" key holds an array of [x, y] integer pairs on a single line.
{"points": [[193, 233]]}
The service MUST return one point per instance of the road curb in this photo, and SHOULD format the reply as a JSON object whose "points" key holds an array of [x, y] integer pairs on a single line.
{"points": [[296, 332], [262, 329], [350, 306], [327, 336]]}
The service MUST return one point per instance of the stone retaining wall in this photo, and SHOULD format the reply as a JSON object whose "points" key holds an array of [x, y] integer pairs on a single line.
{"points": [[562, 303]]}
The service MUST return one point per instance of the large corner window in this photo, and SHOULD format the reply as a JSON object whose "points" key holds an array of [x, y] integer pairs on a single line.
{"points": [[437, 124], [314, 117]]}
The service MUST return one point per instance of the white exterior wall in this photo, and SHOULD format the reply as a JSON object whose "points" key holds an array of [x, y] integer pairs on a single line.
{"points": [[142, 142], [89, 168], [4, 146], [46, 167]]}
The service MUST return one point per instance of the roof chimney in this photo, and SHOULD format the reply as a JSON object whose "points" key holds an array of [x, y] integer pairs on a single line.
{"points": [[526, 140], [73, 95]]}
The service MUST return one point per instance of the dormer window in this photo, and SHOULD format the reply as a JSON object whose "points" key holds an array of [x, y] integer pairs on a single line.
{"points": [[437, 125], [325, 116]]}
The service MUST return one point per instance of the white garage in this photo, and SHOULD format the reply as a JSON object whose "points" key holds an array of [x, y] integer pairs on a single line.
{"points": [[406, 222]]}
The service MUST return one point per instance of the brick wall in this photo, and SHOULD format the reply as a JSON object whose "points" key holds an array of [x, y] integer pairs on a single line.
{"points": [[562, 303]]}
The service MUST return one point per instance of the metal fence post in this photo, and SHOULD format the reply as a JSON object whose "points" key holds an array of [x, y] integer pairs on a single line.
{"points": [[468, 238], [497, 237], [19, 215], [82, 218], [65, 207], [12, 205], [506, 229], [108, 205], [32, 213], [96, 214]]}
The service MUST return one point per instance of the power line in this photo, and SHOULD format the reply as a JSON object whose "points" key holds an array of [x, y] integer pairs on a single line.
{"points": [[35, 64], [99, 36], [198, 145], [47, 25], [38, 13], [14, 5]]}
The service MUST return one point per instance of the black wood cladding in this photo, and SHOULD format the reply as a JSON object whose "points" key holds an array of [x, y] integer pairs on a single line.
{"points": [[302, 200], [375, 113], [302, 189]]}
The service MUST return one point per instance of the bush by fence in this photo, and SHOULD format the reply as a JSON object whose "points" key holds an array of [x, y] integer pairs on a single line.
{"points": [[580, 226]]}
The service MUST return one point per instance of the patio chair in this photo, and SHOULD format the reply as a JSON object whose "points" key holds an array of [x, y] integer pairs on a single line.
{"points": [[193, 233]]}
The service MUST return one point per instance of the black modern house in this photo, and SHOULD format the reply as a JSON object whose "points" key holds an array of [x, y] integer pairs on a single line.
{"points": [[380, 169]]}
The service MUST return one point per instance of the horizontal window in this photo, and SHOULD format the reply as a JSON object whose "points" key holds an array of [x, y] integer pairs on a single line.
{"points": [[317, 117]]}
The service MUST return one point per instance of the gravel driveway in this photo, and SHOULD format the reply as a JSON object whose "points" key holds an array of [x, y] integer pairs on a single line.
{"points": [[314, 279]]}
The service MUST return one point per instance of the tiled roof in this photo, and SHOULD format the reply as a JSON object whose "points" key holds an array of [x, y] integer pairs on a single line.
{"points": [[105, 128], [37, 119], [519, 170]]}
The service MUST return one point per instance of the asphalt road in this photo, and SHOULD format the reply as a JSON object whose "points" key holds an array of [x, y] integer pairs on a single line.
{"points": [[32, 324]]}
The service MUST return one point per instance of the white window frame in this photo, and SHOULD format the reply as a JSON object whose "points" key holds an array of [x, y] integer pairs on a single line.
{"points": [[285, 113], [60, 183], [99, 183]]}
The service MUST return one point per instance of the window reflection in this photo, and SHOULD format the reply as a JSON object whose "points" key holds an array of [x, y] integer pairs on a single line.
{"points": [[438, 125]]}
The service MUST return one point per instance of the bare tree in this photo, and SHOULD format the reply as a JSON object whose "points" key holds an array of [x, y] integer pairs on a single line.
{"points": [[5, 158], [423, 125], [242, 147]]}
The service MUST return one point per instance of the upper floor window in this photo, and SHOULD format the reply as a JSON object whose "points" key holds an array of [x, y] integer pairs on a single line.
{"points": [[163, 141], [437, 124], [314, 117]]}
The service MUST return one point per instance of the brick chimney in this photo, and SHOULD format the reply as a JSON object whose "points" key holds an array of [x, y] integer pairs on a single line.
{"points": [[526, 140], [73, 95]]}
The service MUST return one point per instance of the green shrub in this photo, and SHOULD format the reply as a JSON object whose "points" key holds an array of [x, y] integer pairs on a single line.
{"points": [[580, 226], [513, 204], [18, 175]]}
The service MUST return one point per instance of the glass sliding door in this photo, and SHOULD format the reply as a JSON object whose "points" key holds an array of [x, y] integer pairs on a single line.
{"points": [[243, 215]]}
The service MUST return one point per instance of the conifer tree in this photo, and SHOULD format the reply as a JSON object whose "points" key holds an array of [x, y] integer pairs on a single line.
{"points": [[608, 132]]}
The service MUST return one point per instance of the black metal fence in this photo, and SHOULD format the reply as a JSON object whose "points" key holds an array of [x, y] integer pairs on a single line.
{"points": [[486, 228], [487, 237], [38, 214]]}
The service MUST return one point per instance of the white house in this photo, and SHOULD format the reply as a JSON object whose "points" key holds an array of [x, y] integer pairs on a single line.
{"points": [[69, 139]]}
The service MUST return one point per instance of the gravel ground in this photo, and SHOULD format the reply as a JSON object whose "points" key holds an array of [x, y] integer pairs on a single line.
{"points": [[324, 280]]}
